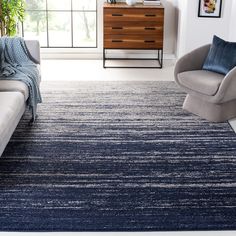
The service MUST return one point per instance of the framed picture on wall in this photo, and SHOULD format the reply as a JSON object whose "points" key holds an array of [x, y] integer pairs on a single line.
{"points": [[210, 8]]}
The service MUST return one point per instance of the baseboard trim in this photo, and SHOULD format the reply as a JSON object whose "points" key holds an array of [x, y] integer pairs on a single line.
{"points": [[98, 56]]}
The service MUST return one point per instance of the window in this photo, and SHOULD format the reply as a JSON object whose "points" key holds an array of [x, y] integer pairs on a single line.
{"points": [[64, 23]]}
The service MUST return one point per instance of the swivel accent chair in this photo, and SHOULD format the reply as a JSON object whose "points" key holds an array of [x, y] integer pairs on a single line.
{"points": [[210, 95]]}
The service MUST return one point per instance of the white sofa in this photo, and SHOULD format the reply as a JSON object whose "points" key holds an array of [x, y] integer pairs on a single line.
{"points": [[13, 97]]}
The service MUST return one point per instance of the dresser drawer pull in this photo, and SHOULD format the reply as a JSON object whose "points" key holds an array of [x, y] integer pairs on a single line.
{"points": [[150, 15], [150, 28], [149, 41], [116, 41], [116, 14], [115, 28]]}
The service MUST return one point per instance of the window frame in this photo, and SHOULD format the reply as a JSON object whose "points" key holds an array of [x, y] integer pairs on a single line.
{"points": [[71, 11]]}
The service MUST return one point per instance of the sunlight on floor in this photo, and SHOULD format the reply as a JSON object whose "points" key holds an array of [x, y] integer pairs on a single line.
{"points": [[92, 70]]}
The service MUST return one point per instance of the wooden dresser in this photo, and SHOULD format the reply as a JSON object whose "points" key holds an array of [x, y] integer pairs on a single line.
{"points": [[136, 27]]}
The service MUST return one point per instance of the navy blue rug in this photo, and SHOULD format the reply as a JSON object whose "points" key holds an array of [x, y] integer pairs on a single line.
{"points": [[118, 156]]}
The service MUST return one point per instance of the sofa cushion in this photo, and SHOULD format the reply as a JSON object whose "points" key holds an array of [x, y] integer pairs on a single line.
{"points": [[33, 50], [221, 57], [12, 106], [14, 86], [205, 82]]}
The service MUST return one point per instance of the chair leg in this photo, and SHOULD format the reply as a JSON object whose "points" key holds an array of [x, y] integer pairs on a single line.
{"points": [[210, 111]]}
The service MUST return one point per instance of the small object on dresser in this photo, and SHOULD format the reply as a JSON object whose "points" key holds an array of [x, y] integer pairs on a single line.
{"points": [[131, 2], [111, 1], [152, 2]]}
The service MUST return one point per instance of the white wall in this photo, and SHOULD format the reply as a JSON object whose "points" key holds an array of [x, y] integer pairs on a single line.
{"points": [[194, 31], [232, 28], [170, 26]]}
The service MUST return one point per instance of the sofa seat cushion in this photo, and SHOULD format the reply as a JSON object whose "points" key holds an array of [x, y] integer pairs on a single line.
{"points": [[202, 81], [12, 106], [14, 86]]}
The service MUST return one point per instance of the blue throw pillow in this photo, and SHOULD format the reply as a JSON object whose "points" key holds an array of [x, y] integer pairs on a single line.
{"points": [[221, 57]]}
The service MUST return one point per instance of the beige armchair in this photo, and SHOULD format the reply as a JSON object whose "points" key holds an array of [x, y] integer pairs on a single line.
{"points": [[209, 95]]}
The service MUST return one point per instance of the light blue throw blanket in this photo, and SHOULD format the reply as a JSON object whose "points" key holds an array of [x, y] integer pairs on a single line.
{"points": [[15, 64]]}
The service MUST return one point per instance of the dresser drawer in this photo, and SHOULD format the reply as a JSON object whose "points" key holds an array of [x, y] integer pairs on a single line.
{"points": [[137, 12], [132, 45], [119, 30], [133, 17], [129, 43]]}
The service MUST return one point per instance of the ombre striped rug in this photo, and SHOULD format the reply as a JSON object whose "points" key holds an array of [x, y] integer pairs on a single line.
{"points": [[118, 156]]}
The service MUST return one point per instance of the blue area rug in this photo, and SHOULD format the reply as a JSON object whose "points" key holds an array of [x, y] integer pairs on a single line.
{"points": [[118, 156]]}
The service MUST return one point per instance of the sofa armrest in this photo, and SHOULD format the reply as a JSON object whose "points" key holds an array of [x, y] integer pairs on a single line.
{"points": [[191, 61], [33, 50]]}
